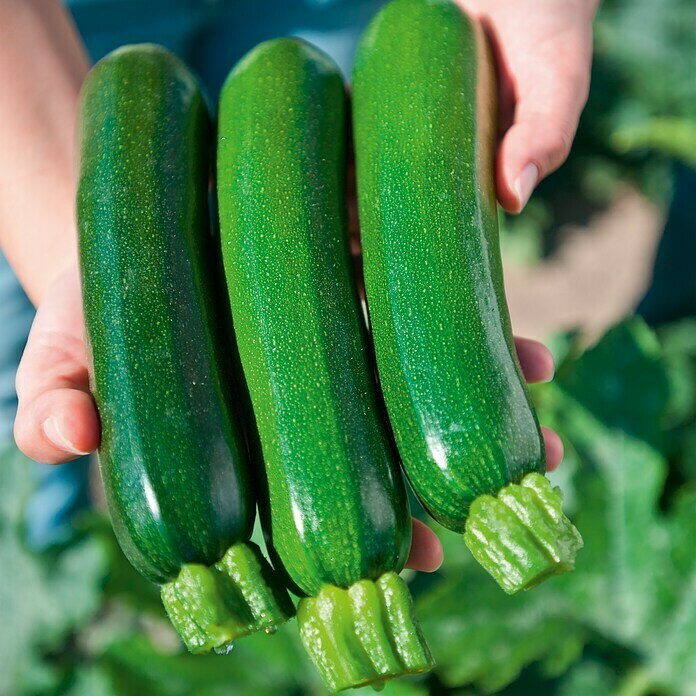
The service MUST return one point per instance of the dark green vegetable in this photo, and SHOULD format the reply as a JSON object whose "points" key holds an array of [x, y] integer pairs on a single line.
{"points": [[424, 97], [173, 457], [340, 521]]}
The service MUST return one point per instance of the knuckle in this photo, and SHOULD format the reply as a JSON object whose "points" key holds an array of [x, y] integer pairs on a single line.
{"points": [[560, 141], [20, 379], [22, 434], [564, 141]]}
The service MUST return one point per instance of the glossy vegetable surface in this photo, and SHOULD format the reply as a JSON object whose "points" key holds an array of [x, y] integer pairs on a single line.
{"points": [[339, 513], [172, 456], [424, 100]]}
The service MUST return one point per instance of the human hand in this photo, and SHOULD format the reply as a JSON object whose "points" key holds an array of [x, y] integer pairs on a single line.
{"points": [[57, 419], [543, 51]]}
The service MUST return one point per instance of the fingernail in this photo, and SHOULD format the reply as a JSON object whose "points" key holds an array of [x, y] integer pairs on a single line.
{"points": [[527, 180], [550, 377], [552, 368], [55, 436]]}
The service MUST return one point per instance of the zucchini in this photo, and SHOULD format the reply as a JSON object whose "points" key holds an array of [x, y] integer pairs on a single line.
{"points": [[424, 117], [173, 457], [339, 522]]}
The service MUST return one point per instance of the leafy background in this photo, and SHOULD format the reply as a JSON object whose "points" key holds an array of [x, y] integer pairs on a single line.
{"points": [[77, 620]]}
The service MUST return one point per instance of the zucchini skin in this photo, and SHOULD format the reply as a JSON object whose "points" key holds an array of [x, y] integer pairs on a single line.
{"points": [[173, 457], [339, 512], [424, 113]]}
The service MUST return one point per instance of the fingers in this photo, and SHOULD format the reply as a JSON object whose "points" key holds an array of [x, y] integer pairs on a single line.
{"points": [[554, 449], [535, 359], [537, 366], [57, 425], [426, 549], [545, 121], [56, 417]]}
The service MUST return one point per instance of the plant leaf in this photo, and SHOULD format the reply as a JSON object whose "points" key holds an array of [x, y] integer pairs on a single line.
{"points": [[609, 403], [43, 598]]}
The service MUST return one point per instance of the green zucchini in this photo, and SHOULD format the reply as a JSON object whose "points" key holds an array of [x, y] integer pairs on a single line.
{"points": [[424, 113], [173, 457], [339, 522]]}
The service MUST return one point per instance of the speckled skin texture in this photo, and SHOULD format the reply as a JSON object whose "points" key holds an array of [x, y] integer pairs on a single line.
{"points": [[424, 122], [172, 456], [339, 510]]}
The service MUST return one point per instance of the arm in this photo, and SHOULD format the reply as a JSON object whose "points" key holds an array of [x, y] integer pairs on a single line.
{"points": [[42, 65]]}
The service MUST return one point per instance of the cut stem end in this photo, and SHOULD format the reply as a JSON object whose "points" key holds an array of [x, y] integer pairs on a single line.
{"points": [[363, 635], [521, 536], [211, 606]]}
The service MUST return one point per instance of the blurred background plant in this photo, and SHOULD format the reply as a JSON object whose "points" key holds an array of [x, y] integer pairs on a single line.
{"points": [[639, 121], [77, 620]]}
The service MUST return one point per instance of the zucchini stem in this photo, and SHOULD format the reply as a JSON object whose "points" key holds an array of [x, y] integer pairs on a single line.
{"points": [[522, 536], [366, 634], [211, 606]]}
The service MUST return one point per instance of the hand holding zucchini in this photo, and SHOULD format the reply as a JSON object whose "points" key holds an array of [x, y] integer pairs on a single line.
{"points": [[340, 521], [173, 458], [424, 106]]}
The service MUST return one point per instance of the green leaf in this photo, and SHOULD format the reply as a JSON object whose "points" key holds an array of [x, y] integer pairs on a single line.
{"points": [[674, 137], [635, 583], [481, 636], [43, 598], [651, 45], [621, 381], [137, 667], [623, 623], [259, 664], [620, 583], [91, 681], [634, 573], [671, 646], [672, 661], [678, 343], [124, 583], [610, 404], [682, 528], [589, 677]]}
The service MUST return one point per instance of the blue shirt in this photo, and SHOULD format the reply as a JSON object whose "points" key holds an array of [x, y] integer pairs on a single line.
{"points": [[211, 35]]}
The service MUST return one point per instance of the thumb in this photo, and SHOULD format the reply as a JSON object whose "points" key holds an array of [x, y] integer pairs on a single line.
{"points": [[56, 416], [539, 140]]}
